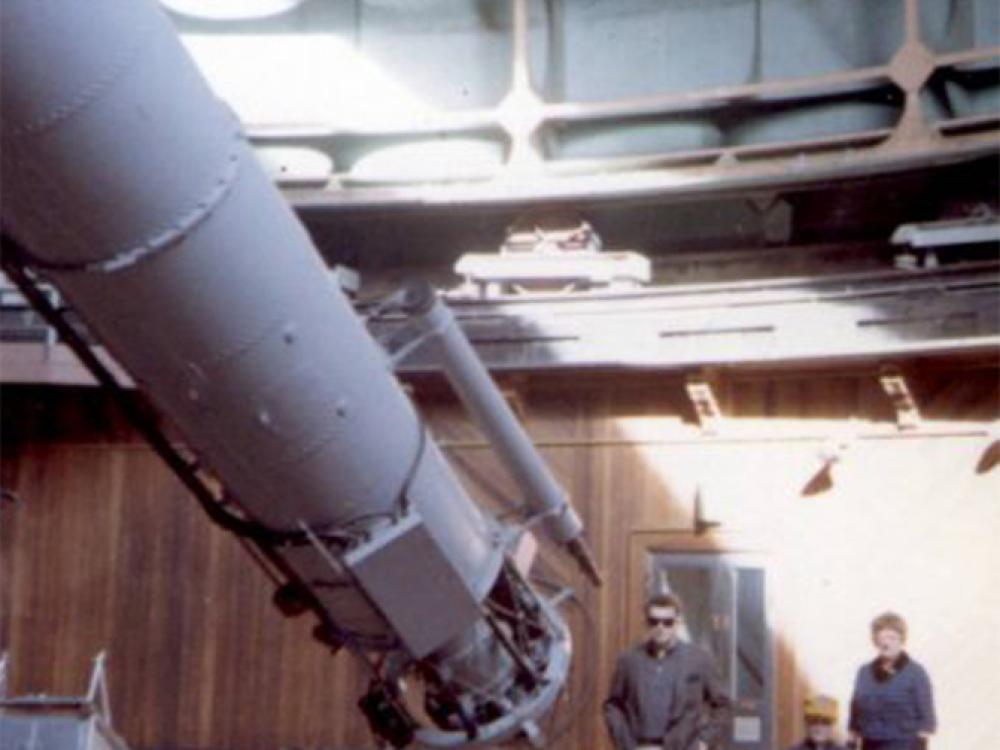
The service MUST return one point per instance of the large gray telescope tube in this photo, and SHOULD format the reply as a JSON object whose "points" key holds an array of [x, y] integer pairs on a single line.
{"points": [[138, 196]]}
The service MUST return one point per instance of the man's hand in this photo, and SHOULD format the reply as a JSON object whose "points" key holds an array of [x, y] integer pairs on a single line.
{"points": [[701, 745]]}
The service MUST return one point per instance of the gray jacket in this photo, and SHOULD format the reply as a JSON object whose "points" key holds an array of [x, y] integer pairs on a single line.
{"points": [[677, 696]]}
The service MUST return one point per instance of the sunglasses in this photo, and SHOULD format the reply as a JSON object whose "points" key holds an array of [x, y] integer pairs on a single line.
{"points": [[667, 622]]}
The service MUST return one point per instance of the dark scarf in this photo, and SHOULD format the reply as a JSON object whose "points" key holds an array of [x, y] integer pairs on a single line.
{"points": [[883, 672]]}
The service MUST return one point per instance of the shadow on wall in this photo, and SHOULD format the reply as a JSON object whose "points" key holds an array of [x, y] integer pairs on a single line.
{"points": [[902, 511]]}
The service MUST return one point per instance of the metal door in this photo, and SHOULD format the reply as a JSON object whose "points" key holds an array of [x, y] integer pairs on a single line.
{"points": [[725, 612]]}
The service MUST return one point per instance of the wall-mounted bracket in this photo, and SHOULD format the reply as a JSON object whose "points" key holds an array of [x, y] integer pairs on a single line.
{"points": [[703, 516], [897, 388], [706, 406]]}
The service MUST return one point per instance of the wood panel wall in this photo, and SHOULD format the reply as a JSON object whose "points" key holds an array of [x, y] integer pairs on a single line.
{"points": [[106, 551]]}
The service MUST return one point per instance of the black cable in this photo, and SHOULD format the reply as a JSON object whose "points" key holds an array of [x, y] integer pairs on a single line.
{"points": [[258, 540], [261, 560], [138, 413], [141, 416], [519, 659]]}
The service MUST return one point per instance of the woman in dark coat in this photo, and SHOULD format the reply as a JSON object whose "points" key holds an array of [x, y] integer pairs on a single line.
{"points": [[893, 704]]}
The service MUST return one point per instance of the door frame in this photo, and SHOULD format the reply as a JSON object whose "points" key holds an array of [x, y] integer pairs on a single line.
{"points": [[723, 544]]}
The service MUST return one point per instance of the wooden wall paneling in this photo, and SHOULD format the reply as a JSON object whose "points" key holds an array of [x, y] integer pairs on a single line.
{"points": [[108, 550], [58, 566], [194, 645], [972, 395], [830, 397], [749, 399]]}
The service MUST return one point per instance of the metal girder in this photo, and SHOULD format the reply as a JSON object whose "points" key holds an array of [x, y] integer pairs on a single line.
{"points": [[848, 317], [750, 119], [873, 316]]}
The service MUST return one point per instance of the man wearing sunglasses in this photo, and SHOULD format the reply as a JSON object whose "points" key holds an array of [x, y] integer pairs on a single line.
{"points": [[666, 694]]}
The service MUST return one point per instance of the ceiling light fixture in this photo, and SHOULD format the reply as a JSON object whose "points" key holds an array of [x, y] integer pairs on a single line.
{"points": [[230, 10]]}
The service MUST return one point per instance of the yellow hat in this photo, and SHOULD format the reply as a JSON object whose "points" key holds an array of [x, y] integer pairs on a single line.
{"points": [[820, 707]]}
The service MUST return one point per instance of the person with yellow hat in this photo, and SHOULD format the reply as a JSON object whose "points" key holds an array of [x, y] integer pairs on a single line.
{"points": [[820, 713]]}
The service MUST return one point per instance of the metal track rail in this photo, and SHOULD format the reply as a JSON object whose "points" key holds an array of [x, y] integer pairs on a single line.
{"points": [[866, 316], [752, 323]]}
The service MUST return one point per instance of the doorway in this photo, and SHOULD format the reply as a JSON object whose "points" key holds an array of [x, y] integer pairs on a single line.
{"points": [[725, 612]]}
